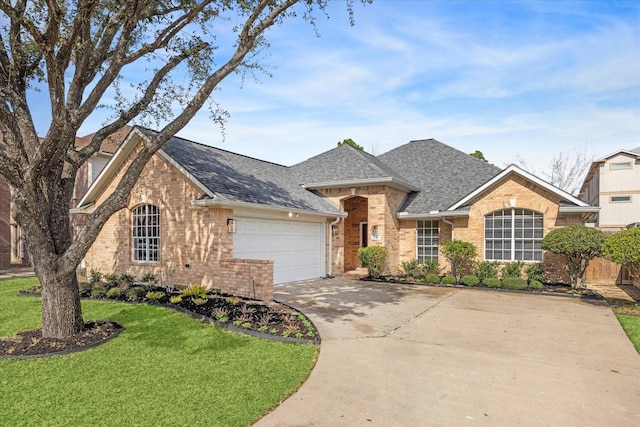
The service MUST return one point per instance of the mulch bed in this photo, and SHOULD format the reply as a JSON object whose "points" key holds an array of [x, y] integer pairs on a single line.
{"points": [[268, 320], [31, 343]]}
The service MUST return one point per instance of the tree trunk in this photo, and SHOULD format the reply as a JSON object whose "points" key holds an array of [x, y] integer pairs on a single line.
{"points": [[61, 311]]}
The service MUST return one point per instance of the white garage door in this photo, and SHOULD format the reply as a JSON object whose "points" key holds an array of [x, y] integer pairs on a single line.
{"points": [[297, 248]]}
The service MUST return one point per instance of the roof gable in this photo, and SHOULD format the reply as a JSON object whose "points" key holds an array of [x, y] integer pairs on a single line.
{"points": [[225, 178], [443, 174], [570, 202], [347, 166]]}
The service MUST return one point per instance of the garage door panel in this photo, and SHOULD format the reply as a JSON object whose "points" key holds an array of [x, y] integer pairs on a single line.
{"points": [[297, 248]]}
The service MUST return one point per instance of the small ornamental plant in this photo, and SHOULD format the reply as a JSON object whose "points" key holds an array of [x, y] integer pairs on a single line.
{"points": [[448, 280], [623, 248], [492, 282], [461, 255], [578, 245], [374, 259], [469, 280], [514, 283], [432, 278]]}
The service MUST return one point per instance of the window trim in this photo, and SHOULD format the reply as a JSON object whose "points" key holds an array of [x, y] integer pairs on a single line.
{"points": [[435, 225], [616, 166], [513, 239], [149, 239], [628, 199]]}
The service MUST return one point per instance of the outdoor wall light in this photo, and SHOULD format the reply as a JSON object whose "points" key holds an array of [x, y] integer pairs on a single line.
{"points": [[374, 230], [232, 225]]}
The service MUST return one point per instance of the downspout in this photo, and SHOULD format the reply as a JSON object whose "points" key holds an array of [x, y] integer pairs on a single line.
{"points": [[453, 228], [331, 245]]}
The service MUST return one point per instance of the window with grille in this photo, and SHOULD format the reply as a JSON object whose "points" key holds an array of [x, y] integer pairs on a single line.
{"points": [[513, 235], [145, 233], [427, 241]]}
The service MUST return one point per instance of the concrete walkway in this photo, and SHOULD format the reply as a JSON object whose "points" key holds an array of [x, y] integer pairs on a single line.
{"points": [[396, 355], [15, 272]]}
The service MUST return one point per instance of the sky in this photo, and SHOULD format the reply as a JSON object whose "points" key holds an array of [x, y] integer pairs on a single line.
{"points": [[515, 80]]}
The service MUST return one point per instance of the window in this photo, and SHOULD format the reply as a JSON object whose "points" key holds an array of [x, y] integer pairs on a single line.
{"points": [[427, 241], [145, 233], [620, 165], [513, 235], [620, 199]]}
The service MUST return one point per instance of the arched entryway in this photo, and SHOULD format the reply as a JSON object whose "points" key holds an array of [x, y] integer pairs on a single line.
{"points": [[355, 230]]}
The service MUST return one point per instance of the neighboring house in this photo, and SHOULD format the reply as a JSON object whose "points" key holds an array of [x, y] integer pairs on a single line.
{"points": [[199, 214], [613, 184], [12, 248]]}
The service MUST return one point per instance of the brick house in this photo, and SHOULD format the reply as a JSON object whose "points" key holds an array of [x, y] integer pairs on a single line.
{"points": [[199, 214], [13, 252]]}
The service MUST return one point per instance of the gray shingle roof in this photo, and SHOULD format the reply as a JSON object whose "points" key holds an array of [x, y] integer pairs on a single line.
{"points": [[343, 164], [444, 174], [237, 178], [636, 150]]}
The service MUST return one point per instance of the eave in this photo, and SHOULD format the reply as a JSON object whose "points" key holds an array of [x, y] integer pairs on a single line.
{"points": [[226, 204], [388, 181]]}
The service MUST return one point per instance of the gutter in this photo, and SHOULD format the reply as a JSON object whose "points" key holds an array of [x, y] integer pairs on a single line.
{"points": [[217, 203]]}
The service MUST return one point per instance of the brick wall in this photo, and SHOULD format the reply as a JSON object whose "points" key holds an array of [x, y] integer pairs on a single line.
{"points": [[195, 245], [375, 205]]}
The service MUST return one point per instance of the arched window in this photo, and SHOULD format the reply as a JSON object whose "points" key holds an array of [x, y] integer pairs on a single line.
{"points": [[145, 233], [513, 235]]}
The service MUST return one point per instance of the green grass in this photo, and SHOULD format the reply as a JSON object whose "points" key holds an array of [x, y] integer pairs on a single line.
{"points": [[631, 325], [165, 369]]}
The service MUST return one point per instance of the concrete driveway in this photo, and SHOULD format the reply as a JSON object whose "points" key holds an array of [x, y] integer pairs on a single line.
{"points": [[396, 355]]}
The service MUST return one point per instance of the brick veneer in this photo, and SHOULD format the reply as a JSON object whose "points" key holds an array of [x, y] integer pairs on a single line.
{"points": [[195, 245]]}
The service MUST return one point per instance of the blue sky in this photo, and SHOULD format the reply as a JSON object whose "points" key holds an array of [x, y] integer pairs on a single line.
{"points": [[510, 79]]}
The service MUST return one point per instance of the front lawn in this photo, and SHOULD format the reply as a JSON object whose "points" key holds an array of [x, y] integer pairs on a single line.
{"points": [[631, 325], [164, 369]]}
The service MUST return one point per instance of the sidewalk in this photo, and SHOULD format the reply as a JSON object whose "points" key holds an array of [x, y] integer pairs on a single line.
{"points": [[616, 293], [12, 273]]}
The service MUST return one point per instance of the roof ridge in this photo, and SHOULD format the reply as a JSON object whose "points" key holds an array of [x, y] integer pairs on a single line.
{"points": [[215, 148]]}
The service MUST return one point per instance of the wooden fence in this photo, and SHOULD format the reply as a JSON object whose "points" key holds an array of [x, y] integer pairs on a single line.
{"points": [[602, 270]]}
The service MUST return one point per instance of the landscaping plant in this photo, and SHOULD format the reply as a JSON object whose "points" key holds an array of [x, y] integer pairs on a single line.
{"points": [[578, 245], [512, 269], [461, 255], [373, 258], [487, 269], [469, 280], [535, 272], [623, 248]]}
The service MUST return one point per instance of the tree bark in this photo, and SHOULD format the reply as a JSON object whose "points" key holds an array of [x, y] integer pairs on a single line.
{"points": [[61, 310]]}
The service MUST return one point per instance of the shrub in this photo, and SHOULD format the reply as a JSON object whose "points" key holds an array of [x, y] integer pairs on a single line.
{"points": [[175, 299], [432, 278], [514, 283], [154, 296], [194, 291], [535, 272], [114, 293], [512, 269], [112, 279], [149, 278], [127, 279], [135, 293], [373, 258], [95, 276], [448, 280], [535, 284], [98, 292], [578, 245], [411, 268], [430, 266], [199, 301], [487, 269], [469, 280], [84, 288], [623, 248], [461, 255], [492, 282]]}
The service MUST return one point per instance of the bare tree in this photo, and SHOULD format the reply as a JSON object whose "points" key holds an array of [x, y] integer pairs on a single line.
{"points": [[83, 54], [566, 170]]}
